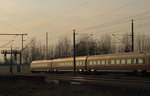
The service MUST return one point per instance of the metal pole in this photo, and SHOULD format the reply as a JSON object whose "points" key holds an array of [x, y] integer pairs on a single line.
{"points": [[21, 50], [11, 61], [22, 42], [74, 52], [46, 45], [132, 30]]}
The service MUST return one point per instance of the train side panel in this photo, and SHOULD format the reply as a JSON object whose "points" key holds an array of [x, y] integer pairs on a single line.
{"points": [[119, 62]]}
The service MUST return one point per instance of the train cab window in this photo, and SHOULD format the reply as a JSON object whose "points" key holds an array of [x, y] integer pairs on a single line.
{"points": [[128, 61], [103, 62], [140, 61], [123, 61], [98, 62], [112, 61]]}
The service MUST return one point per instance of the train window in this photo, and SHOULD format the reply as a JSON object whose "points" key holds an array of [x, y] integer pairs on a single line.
{"points": [[123, 61], [77, 63], [117, 61], [128, 61], [103, 62], [135, 61], [94, 62], [62, 64], [90, 62], [83, 63], [66, 64], [140, 61], [80, 63], [98, 62], [69, 63], [112, 61]]}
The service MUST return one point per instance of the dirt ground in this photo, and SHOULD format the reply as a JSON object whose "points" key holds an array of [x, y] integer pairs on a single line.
{"points": [[27, 88]]}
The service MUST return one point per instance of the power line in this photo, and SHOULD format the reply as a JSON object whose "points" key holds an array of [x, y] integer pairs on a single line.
{"points": [[118, 21], [2, 22], [7, 43], [69, 12], [115, 22], [111, 11], [27, 45]]}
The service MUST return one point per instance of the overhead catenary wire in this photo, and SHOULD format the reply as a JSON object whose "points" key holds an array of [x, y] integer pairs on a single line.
{"points": [[7, 43], [118, 21], [27, 45], [9, 25], [115, 9], [111, 11], [67, 13], [115, 22]]}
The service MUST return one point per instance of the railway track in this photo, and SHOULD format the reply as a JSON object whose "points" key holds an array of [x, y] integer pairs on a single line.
{"points": [[108, 80], [123, 81]]}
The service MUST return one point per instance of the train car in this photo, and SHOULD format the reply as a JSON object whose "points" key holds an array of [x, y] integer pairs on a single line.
{"points": [[41, 66], [66, 64], [126, 62]]}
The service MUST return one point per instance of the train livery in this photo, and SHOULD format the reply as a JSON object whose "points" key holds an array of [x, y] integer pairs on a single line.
{"points": [[126, 62]]}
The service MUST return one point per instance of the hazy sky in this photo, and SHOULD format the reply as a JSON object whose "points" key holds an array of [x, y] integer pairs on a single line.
{"points": [[60, 17]]}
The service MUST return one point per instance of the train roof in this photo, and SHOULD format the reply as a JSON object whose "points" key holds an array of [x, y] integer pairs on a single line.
{"points": [[119, 55], [40, 61], [70, 59], [103, 56]]}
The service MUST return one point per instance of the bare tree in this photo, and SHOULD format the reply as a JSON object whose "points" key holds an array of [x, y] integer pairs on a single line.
{"points": [[142, 42], [63, 48], [51, 52], [126, 43], [104, 45]]}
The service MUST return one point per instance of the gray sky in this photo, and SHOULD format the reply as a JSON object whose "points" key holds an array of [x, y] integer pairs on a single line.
{"points": [[60, 17]]}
